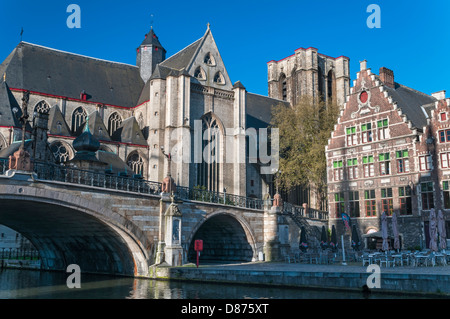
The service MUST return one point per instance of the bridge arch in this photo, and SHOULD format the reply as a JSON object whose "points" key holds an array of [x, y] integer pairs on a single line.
{"points": [[227, 237], [66, 229]]}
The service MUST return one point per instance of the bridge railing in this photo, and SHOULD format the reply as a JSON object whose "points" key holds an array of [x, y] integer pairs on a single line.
{"points": [[299, 211], [66, 174], [203, 195]]}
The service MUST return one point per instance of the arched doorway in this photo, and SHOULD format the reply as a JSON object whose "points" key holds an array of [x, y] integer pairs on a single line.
{"points": [[224, 240]]}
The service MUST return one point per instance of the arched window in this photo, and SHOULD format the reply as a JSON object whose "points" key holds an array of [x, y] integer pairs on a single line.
{"points": [[330, 85], [114, 123], [219, 79], [320, 83], [208, 171], [209, 59], [136, 163], [200, 74], [78, 119], [60, 151], [283, 87]]}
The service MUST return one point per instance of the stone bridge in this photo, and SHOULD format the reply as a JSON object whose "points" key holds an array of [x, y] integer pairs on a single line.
{"points": [[112, 225]]}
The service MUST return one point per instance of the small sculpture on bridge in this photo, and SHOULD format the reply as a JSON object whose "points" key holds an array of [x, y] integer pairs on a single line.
{"points": [[277, 200]]}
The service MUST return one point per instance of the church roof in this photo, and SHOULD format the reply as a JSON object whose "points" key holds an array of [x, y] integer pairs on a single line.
{"points": [[152, 39], [7, 104], [96, 127], [259, 110], [56, 123], [49, 71], [182, 59], [130, 132]]}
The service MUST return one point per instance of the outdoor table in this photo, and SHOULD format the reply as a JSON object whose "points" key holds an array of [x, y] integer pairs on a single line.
{"points": [[422, 257], [440, 257]]}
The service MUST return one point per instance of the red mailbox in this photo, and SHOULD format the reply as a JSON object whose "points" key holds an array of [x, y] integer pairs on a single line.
{"points": [[198, 247]]}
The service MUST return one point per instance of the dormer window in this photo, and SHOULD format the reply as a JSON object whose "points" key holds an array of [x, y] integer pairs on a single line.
{"points": [[200, 74], [209, 59], [219, 79]]}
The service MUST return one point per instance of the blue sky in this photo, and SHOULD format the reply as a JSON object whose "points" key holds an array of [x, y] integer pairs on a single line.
{"points": [[414, 38]]}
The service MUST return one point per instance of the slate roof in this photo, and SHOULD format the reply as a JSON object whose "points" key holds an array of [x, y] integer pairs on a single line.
{"points": [[40, 69], [259, 110], [7, 104], [55, 117], [96, 127], [410, 102], [182, 59], [129, 132], [152, 39]]}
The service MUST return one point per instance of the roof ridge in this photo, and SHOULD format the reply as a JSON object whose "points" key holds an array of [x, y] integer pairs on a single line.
{"points": [[76, 54]]}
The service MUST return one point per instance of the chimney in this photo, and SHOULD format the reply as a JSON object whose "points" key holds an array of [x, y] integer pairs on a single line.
{"points": [[363, 65], [439, 95], [387, 77]]}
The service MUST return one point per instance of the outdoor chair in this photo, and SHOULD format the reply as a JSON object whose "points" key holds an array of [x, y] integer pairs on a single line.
{"points": [[387, 261], [365, 259]]}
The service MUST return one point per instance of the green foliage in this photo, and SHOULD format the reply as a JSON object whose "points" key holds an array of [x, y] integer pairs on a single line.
{"points": [[304, 130]]}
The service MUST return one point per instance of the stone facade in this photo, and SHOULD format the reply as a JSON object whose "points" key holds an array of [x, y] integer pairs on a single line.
{"points": [[308, 72], [380, 156]]}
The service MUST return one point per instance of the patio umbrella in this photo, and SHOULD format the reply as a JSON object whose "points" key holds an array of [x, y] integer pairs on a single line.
{"points": [[395, 232], [442, 231], [323, 239], [303, 242], [333, 241], [355, 238], [433, 230], [384, 232]]}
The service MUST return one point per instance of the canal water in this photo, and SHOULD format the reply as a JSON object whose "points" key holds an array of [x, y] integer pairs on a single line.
{"points": [[33, 284]]}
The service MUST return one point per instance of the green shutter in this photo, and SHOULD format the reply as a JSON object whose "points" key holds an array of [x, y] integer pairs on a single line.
{"points": [[354, 129], [363, 127], [355, 161], [379, 123], [371, 159], [445, 185], [385, 122], [365, 160], [335, 164], [340, 163], [405, 153], [349, 130], [381, 157], [398, 154]]}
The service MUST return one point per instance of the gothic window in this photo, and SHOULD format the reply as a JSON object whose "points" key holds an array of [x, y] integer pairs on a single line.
{"points": [[209, 59], [78, 118], [283, 83], [320, 83], [200, 74], [330, 85], [208, 171], [60, 151], [136, 163], [42, 107], [219, 79], [114, 123]]}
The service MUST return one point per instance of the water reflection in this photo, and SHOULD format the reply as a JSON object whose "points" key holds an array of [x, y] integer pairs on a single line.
{"points": [[23, 284]]}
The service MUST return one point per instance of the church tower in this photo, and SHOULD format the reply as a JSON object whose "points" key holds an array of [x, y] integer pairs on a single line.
{"points": [[149, 54]]}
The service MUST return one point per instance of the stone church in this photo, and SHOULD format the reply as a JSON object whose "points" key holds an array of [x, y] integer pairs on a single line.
{"points": [[180, 105]]}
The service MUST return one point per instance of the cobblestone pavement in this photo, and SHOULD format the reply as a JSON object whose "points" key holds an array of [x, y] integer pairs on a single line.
{"points": [[351, 267]]}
